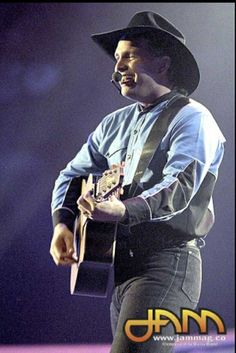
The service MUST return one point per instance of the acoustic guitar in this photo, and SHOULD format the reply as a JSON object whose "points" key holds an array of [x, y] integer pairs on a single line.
{"points": [[94, 242]]}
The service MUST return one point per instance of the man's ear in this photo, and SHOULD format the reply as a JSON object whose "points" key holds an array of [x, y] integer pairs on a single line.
{"points": [[164, 63]]}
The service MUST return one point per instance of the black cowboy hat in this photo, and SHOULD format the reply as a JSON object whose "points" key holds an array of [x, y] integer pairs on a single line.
{"points": [[150, 22]]}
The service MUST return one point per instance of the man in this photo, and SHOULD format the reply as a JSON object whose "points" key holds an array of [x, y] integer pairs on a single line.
{"points": [[162, 223]]}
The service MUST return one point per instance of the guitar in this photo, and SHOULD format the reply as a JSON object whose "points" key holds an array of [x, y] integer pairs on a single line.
{"points": [[94, 242]]}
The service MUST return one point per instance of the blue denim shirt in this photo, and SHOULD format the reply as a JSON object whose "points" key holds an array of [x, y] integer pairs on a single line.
{"points": [[190, 152]]}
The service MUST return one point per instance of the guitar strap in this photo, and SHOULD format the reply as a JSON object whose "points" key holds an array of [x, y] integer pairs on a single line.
{"points": [[155, 136]]}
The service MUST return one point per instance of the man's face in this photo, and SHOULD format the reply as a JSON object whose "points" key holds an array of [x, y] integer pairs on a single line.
{"points": [[139, 70]]}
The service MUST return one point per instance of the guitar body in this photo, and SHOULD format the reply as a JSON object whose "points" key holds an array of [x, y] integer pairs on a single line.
{"points": [[90, 276], [94, 244]]}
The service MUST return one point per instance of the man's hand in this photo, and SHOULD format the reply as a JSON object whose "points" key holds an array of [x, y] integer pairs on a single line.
{"points": [[112, 210], [62, 247]]}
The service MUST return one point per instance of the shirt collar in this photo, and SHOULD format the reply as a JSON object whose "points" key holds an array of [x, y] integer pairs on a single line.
{"points": [[161, 99]]}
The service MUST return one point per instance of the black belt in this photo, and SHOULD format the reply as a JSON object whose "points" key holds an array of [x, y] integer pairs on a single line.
{"points": [[148, 238]]}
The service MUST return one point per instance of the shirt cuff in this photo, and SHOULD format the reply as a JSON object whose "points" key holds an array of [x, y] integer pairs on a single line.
{"points": [[65, 216], [138, 211]]}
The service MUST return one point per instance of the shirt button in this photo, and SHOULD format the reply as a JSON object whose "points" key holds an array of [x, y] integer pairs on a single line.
{"points": [[135, 132], [128, 157]]}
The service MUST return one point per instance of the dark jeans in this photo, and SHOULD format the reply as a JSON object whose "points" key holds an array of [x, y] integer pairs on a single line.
{"points": [[169, 279]]}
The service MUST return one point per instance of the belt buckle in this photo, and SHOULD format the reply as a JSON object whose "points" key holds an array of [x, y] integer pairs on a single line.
{"points": [[131, 253]]}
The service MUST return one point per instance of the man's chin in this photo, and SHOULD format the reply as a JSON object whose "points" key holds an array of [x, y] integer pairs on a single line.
{"points": [[129, 93]]}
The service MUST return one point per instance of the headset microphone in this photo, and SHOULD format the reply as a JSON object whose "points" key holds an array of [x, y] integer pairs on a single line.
{"points": [[116, 77]]}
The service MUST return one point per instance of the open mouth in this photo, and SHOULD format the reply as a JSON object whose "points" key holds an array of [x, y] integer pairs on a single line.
{"points": [[127, 81]]}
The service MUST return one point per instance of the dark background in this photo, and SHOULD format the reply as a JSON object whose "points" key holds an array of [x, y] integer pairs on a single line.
{"points": [[54, 89]]}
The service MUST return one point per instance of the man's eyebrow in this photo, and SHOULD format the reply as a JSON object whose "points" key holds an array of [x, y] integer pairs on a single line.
{"points": [[129, 51]]}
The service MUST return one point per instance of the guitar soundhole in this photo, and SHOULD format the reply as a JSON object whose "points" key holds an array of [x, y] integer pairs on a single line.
{"points": [[99, 241]]}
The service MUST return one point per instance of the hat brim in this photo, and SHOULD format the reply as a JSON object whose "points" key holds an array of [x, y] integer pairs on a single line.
{"points": [[186, 63]]}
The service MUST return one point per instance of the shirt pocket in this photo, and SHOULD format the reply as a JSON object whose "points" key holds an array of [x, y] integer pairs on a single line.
{"points": [[116, 155]]}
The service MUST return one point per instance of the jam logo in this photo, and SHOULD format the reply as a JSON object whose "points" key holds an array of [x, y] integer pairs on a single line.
{"points": [[158, 318]]}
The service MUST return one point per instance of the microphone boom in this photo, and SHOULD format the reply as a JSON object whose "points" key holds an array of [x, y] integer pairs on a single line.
{"points": [[116, 77]]}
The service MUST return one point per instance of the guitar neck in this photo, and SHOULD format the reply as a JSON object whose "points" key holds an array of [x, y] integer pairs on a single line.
{"points": [[94, 242]]}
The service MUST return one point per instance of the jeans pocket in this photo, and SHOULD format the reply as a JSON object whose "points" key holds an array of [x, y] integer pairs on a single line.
{"points": [[191, 285]]}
